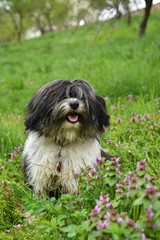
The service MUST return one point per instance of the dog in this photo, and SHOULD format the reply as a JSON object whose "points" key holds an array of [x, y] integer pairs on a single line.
{"points": [[64, 122]]}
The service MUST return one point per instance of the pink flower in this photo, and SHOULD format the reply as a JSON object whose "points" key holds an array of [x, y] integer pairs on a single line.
{"points": [[99, 160], [119, 220], [134, 119], [102, 225], [93, 170], [4, 183], [143, 237], [109, 141], [115, 160], [151, 191], [139, 116], [89, 174], [119, 120], [107, 215], [131, 223], [76, 175], [146, 116], [141, 165], [152, 179], [17, 226], [150, 213], [95, 211], [130, 96], [133, 113], [108, 205]]}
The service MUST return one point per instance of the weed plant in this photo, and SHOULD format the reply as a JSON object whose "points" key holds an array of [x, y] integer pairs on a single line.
{"points": [[119, 199]]}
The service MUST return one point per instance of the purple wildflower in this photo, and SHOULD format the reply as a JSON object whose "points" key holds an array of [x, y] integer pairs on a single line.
{"points": [[108, 205], [9, 230], [143, 237], [99, 160], [133, 113], [134, 119], [95, 211], [119, 120], [152, 179], [119, 220], [113, 213], [146, 116], [141, 165], [4, 183], [107, 215], [13, 154], [89, 174], [154, 226], [140, 117], [102, 225], [130, 96], [131, 223], [151, 192], [17, 226], [115, 160], [109, 141], [150, 213]]}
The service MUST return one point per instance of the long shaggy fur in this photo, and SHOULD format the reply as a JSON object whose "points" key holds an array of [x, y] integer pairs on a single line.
{"points": [[64, 122]]}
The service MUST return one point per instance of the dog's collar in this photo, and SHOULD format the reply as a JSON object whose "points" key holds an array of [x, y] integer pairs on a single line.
{"points": [[59, 167]]}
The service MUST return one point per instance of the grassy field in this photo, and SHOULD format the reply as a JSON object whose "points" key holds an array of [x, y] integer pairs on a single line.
{"points": [[126, 70]]}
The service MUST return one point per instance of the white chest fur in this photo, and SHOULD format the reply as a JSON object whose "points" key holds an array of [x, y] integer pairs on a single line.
{"points": [[43, 158]]}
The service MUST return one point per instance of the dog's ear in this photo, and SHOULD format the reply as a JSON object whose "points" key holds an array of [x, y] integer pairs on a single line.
{"points": [[96, 105], [37, 112], [102, 115], [42, 103]]}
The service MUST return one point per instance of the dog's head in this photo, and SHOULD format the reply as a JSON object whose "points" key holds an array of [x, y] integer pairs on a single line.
{"points": [[67, 111]]}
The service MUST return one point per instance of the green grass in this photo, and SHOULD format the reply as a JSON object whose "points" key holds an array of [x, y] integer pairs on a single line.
{"points": [[117, 63], [109, 55]]}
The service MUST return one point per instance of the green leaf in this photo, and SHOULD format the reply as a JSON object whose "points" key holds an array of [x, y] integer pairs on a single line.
{"points": [[110, 181], [71, 234], [138, 201]]}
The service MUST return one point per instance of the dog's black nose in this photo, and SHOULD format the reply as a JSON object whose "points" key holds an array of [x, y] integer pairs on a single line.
{"points": [[74, 104]]}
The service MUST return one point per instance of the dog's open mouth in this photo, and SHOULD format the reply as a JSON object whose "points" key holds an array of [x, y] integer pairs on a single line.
{"points": [[72, 117]]}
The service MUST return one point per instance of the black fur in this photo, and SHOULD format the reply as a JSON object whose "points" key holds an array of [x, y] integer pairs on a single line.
{"points": [[42, 110]]}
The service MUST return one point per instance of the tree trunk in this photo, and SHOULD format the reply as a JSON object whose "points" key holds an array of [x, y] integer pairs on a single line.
{"points": [[129, 18], [128, 14], [20, 30], [145, 18], [40, 23]]}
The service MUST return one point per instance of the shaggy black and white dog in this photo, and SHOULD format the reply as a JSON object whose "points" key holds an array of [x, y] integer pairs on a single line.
{"points": [[64, 122]]}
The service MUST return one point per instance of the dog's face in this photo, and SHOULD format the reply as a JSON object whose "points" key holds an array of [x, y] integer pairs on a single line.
{"points": [[67, 111]]}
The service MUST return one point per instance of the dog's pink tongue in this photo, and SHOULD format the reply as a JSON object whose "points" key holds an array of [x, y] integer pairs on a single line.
{"points": [[73, 118]]}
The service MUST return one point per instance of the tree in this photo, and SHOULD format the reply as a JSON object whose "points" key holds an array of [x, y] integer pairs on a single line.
{"points": [[143, 24], [6, 26], [118, 5], [62, 14], [125, 4], [17, 10], [50, 14]]}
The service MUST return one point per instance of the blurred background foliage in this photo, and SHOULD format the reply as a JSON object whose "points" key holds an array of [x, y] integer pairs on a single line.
{"points": [[26, 18]]}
